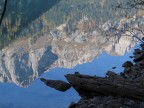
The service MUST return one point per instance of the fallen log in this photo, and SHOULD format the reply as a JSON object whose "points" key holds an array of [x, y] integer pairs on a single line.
{"points": [[93, 86]]}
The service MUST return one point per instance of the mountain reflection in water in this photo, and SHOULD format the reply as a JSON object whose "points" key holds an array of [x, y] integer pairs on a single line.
{"points": [[59, 37], [22, 62], [49, 40], [37, 95]]}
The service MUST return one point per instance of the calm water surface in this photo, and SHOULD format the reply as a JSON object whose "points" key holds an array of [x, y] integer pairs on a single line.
{"points": [[49, 34], [37, 95]]}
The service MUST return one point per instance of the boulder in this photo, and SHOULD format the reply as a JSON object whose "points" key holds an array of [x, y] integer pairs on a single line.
{"points": [[127, 64], [139, 58], [137, 51], [142, 46]]}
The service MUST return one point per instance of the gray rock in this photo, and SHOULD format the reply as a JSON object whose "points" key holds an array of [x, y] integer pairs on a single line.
{"points": [[127, 64], [56, 84], [139, 57], [109, 102]]}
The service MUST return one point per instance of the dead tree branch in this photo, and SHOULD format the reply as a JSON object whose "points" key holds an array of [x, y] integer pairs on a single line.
{"points": [[3, 13], [131, 4]]}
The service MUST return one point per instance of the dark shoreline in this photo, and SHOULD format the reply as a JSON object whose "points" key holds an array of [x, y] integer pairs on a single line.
{"points": [[133, 71]]}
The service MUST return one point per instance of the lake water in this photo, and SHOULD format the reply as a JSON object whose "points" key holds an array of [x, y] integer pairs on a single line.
{"points": [[52, 38], [38, 95]]}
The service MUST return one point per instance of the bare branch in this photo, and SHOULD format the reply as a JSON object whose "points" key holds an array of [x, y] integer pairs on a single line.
{"points": [[4, 10], [136, 4]]}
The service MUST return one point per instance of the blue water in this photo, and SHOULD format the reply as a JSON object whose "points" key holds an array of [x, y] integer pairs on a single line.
{"points": [[37, 95]]}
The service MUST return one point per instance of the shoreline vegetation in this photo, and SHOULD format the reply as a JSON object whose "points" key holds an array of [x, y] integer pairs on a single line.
{"points": [[124, 90]]}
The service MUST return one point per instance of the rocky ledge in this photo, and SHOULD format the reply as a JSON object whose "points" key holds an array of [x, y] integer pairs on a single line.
{"points": [[107, 102]]}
